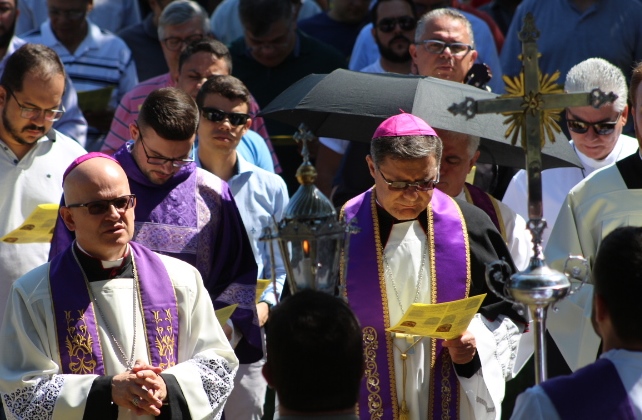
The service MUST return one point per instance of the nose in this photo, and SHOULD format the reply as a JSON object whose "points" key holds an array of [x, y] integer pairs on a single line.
{"points": [[113, 213], [411, 193]]}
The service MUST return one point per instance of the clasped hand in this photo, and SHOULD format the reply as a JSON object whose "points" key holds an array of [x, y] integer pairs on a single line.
{"points": [[140, 389]]}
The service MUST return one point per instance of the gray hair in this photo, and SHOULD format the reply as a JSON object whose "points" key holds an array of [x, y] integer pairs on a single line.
{"points": [[405, 147], [598, 73], [472, 141], [437, 13], [179, 12]]}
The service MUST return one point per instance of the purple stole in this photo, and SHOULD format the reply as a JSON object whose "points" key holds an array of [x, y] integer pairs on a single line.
{"points": [[593, 392], [76, 318], [484, 201], [366, 291]]}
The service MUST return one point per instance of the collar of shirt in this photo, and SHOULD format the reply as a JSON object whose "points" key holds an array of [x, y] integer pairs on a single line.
{"points": [[386, 221], [95, 269]]}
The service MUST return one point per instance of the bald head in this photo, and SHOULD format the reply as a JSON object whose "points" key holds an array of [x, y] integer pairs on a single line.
{"points": [[98, 207]]}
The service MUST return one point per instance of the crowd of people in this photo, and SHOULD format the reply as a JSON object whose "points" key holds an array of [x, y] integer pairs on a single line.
{"points": [[140, 121]]}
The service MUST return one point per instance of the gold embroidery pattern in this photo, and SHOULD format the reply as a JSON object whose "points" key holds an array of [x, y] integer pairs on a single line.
{"points": [[165, 339], [433, 299], [370, 346], [446, 395], [78, 343], [386, 313]]}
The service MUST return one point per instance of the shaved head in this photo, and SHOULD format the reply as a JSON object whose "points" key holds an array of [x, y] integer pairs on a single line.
{"points": [[98, 173]]}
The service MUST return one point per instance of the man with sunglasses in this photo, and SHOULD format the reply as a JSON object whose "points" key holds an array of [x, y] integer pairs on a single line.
{"points": [[109, 329], [596, 137], [188, 213], [33, 155], [418, 245], [261, 197]]}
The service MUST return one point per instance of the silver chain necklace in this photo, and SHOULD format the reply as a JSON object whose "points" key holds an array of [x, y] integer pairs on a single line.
{"points": [[128, 364], [388, 273]]}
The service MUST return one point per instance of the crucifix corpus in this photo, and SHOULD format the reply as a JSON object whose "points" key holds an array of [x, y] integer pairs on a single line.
{"points": [[532, 106]]}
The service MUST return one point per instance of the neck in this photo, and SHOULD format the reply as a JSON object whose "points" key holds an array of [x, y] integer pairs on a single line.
{"points": [[392, 67], [72, 44], [105, 255], [18, 149], [218, 163]]}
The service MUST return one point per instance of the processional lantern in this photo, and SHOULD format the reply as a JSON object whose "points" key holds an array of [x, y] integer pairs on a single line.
{"points": [[313, 242], [532, 107]]}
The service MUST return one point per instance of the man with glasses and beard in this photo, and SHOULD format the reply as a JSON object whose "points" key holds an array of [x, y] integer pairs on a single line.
{"points": [[72, 123], [188, 213], [34, 156]]}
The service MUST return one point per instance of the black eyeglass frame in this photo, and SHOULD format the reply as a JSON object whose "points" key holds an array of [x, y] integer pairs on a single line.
{"points": [[235, 118], [468, 48], [104, 205], [174, 43], [600, 128], [403, 185], [160, 161]]}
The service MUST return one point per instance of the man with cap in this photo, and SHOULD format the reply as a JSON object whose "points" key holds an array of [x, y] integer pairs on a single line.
{"points": [[94, 354], [419, 245]]}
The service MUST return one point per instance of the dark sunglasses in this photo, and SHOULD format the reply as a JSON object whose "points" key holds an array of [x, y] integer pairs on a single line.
{"points": [[121, 204], [402, 185], [216, 115], [601, 129], [406, 23]]}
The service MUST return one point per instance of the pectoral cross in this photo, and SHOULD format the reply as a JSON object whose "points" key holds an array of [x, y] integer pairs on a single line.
{"points": [[532, 105]]}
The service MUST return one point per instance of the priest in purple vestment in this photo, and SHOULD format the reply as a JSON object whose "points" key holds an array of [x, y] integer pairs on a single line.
{"points": [[109, 329], [419, 245], [188, 213], [611, 387]]}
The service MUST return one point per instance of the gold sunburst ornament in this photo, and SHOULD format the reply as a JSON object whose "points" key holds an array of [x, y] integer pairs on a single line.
{"points": [[532, 103]]}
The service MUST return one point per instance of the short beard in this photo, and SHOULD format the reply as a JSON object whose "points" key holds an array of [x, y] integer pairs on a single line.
{"points": [[14, 133], [5, 39], [390, 55]]}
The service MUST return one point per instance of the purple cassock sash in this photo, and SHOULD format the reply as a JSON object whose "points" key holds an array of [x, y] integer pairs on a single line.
{"points": [[76, 324], [366, 291], [593, 392], [481, 199]]}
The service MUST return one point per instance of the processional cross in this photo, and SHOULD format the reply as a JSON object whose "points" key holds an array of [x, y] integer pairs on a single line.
{"points": [[532, 105]]}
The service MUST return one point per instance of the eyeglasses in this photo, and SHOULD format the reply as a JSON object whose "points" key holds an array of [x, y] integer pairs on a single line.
{"points": [[160, 161], [402, 185], [175, 43], [434, 46], [34, 113], [69, 14], [601, 129], [121, 204], [216, 115], [406, 23]]}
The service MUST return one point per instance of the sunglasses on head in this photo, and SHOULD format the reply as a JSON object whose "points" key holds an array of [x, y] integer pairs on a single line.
{"points": [[601, 129], [403, 185], [406, 23], [121, 204], [216, 115]]}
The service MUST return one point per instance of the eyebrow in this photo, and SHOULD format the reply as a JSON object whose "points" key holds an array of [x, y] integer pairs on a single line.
{"points": [[608, 119]]}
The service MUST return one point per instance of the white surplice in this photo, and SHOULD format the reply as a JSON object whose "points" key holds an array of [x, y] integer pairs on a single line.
{"points": [[481, 395], [31, 381]]}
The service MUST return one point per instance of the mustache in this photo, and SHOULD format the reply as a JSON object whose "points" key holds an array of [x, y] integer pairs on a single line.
{"points": [[34, 127], [400, 37]]}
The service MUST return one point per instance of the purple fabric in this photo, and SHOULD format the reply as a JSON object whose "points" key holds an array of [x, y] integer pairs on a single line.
{"points": [[403, 125], [77, 332], [593, 392], [193, 217], [365, 289], [482, 200], [84, 158]]}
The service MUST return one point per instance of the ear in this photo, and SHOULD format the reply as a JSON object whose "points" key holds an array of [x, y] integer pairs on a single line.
{"points": [[371, 166], [625, 115], [412, 48], [473, 160], [3, 96], [134, 131], [248, 124], [474, 55], [68, 218]]}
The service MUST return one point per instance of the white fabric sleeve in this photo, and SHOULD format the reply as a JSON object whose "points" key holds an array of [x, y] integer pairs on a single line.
{"points": [[534, 404]]}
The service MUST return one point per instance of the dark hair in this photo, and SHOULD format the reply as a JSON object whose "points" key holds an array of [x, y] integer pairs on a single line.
{"points": [[258, 16], [374, 12], [208, 45], [31, 59], [171, 113], [227, 86], [636, 78], [315, 353], [617, 276], [405, 147]]}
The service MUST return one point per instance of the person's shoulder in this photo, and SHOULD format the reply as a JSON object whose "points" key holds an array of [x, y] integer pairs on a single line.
{"points": [[320, 49], [181, 273], [473, 215], [32, 35], [271, 182], [66, 145], [34, 282]]}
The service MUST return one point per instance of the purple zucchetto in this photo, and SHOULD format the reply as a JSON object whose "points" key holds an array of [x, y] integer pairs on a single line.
{"points": [[403, 124], [84, 158]]}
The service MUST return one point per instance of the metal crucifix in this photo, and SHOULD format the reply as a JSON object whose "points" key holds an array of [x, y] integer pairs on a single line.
{"points": [[532, 105]]}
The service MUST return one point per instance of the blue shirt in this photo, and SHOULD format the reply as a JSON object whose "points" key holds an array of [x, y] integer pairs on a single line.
{"points": [[261, 198], [254, 149], [609, 29]]}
